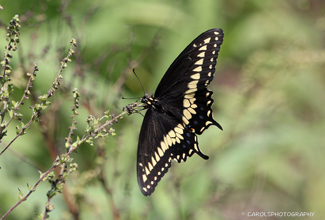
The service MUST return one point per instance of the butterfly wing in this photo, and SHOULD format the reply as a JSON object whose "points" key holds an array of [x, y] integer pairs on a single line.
{"points": [[196, 62], [183, 89], [162, 138]]}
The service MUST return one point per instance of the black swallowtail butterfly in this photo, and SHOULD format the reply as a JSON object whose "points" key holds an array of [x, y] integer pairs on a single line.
{"points": [[179, 109]]}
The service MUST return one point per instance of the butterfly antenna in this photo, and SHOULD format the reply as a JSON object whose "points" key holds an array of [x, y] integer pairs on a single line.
{"points": [[130, 98], [144, 93]]}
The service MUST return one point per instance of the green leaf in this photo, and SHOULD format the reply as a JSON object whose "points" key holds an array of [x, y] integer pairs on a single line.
{"points": [[11, 113]]}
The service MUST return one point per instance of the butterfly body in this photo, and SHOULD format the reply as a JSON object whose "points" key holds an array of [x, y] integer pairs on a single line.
{"points": [[179, 109]]}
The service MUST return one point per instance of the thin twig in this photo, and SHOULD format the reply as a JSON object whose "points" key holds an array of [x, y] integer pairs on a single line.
{"points": [[24, 96], [65, 155], [20, 133], [29, 193]]}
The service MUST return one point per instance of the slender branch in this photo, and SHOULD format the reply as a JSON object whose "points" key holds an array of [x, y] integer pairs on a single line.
{"points": [[46, 208], [20, 133], [109, 193], [116, 215], [25, 95], [58, 162], [95, 131], [29, 193], [37, 108], [6, 86]]}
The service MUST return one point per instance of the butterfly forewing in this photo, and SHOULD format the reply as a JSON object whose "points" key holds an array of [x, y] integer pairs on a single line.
{"points": [[180, 108], [196, 62]]}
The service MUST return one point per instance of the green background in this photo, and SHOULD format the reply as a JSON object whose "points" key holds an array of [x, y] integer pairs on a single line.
{"points": [[269, 94]]}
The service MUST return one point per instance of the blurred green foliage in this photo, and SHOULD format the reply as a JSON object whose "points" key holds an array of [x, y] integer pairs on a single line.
{"points": [[269, 93]]}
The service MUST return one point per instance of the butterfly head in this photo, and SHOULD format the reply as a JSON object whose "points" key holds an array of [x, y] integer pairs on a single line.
{"points": [[147, 100]]}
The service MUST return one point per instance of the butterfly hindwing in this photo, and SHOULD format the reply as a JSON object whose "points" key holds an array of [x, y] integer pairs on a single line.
{"points": [[162, 139]]}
